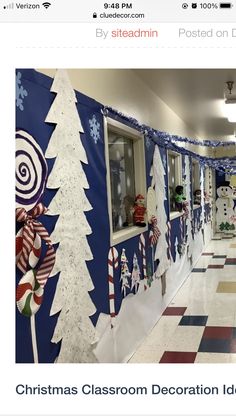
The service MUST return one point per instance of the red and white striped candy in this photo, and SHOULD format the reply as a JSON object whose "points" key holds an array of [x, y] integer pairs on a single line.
{"points": [[28, 244], [112, 264], [35, 253], [154, 230], [29, 294], [143, 253], [169, 239]]}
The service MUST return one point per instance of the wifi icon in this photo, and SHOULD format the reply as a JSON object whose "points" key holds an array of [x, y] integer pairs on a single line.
{"points": [[46, 4]]}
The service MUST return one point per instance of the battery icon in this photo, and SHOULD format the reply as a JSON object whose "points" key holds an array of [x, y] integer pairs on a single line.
{"points": [[225, 5]]}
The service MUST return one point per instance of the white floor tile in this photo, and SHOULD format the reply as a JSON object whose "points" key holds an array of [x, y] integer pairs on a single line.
{"points": [[212, 358], [146, 356], [185, 338]]}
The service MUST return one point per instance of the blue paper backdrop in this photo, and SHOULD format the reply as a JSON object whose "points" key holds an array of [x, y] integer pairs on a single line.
{"points": [[31, 112]]}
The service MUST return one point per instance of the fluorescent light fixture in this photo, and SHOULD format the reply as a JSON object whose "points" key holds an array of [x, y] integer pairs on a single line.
{"points": [[230, 109]]}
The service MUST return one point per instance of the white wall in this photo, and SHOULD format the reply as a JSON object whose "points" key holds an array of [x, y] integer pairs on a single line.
{"points": [[125, 91]]}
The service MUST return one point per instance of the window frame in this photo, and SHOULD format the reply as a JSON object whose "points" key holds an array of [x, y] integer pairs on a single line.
{"points": [[140, 175], [196, 162], [178, 177]]}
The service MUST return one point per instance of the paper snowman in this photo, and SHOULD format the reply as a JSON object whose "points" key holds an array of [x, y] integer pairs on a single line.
{"points": [[224, 207]]}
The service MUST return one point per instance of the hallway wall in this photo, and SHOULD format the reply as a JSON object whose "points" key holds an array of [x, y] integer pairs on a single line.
{"points": [[126, 92]]}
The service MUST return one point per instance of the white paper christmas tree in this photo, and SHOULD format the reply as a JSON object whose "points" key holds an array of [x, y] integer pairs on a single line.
{"points": [[159, 183], [72, 298], [135, 277]]}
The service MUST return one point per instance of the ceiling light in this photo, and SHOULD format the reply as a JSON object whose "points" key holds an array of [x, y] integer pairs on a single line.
{"points": [[230, 109], [230, 103]]}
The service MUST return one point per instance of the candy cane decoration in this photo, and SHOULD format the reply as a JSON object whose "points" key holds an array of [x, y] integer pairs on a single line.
{"points": [[153, 237], [169, 239], [143, 253], [154, 230], [112, 264]]}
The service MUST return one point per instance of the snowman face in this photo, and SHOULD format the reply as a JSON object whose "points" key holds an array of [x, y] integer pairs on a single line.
{"points": [[224, 191]]}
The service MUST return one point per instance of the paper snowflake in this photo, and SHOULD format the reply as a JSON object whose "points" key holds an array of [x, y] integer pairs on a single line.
{"points": [[21, 93], [148, 142], [94, 129]]}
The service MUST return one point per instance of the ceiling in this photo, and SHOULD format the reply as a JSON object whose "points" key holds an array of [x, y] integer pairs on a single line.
{"points": [[196, 96]]}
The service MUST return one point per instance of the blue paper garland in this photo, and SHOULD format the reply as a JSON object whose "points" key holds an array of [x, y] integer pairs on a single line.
{"points": [[169, 141]]}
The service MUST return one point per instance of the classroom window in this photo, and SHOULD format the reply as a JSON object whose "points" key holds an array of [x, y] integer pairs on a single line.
{"points": [[174, 176], [126, 177]]}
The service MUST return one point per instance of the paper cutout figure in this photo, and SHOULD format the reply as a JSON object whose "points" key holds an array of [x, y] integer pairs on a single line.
{"points": [[135, 276], [125, 274], [74, 328]]}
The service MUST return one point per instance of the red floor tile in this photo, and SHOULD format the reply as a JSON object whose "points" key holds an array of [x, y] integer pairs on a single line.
{"points": [[174, 311], [215, 332], [230, 260], [178, 357], [215, 266]]}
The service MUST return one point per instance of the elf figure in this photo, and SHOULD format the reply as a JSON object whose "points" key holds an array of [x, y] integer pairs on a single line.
{"points": [[125, 274], [139, 211], [179, 198], [135, 274]]}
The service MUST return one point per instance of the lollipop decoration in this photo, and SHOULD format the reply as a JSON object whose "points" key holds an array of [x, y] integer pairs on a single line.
{"points": [[31, 171], [29, 294], [31, 176]]}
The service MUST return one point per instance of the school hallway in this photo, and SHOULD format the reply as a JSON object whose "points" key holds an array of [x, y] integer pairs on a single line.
{"points": [[199, 325]]}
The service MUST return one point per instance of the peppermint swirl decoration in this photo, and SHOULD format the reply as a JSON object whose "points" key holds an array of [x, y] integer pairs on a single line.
{"points": [[31, 171], [29, 294]]}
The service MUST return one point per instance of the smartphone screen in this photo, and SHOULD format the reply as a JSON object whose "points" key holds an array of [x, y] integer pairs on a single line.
{"points": [[119, 299]]}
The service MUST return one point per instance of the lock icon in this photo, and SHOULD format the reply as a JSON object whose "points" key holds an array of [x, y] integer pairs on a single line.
{"points": [[95, 15]]}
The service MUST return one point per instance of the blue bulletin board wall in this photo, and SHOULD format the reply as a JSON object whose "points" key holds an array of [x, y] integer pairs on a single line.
{"points": [[34, 100]]}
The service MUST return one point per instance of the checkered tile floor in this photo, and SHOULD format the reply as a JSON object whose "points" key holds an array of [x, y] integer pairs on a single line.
{"points": [[200, 323]]}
